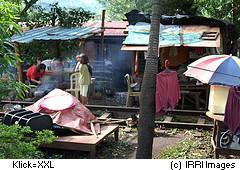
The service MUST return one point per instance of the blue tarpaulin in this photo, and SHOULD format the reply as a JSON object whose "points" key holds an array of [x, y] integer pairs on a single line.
{"points": [[170, 35]]}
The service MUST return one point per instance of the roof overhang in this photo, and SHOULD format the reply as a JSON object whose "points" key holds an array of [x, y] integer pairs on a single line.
{"points": [[55, 34]]}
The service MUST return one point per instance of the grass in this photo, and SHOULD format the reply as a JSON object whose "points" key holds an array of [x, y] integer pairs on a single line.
{"points": [[190, 148]]}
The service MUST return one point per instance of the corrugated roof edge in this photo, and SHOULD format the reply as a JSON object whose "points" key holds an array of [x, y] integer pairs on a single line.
{"points": [[55, 33]]}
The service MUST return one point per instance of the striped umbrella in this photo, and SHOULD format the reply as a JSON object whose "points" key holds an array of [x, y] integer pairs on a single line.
{"points": [[216, 70]]}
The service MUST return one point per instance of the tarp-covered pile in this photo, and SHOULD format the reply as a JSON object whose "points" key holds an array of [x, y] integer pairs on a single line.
{"points": [[65, 110]]}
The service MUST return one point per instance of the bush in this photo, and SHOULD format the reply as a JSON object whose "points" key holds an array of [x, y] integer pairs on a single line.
{"points": [[18, 142], [8, 26]]}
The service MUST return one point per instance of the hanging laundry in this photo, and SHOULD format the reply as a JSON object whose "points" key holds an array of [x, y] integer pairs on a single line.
{"points": [[136, 65], [232, 110], [167, 91]]}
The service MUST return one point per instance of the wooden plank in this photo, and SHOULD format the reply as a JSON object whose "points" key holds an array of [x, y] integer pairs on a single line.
{"points": [[209, 35], [201, 120], [88, 139], [215, 116], [127, 129], [69, 141], [137, 109], [187, 112], [114, 108], [84, 142], [93, 129], [105, 115], [182, 125], [168, 119]]}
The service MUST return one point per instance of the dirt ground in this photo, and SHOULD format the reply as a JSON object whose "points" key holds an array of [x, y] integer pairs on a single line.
{"points": [[162, 140], [167, 144], [125, 148], [164, 146]]}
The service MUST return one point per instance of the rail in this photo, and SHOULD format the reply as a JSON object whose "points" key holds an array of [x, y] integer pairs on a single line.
{"points": [[136, 110]]}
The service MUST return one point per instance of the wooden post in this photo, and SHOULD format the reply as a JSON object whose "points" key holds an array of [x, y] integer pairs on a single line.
{"points": [[234, 11], [81, 45], [19, 64], [102, 36]]}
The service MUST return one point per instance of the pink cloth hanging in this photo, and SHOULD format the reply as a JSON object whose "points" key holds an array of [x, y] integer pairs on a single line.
{"points": [[167, 91], [136, 65]]}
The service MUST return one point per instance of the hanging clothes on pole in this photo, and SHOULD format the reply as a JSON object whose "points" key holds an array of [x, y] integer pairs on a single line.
{"points": [[136, 65], [167, 91], [232, 111]]}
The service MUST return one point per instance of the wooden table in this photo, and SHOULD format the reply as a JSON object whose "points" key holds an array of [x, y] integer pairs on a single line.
{"points": [[84, 142], [215, 140], [194, 91]]}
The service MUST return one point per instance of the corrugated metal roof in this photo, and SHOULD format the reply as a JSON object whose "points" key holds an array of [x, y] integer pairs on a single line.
{"points": [[112, 28], [55, 33]]}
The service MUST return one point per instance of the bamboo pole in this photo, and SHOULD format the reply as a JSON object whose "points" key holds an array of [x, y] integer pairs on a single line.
{"points": [[102, 35]]}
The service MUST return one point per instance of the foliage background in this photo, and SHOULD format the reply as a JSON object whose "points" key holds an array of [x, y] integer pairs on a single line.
{"points": [[218, 9], [56, 16], [8, 26]]}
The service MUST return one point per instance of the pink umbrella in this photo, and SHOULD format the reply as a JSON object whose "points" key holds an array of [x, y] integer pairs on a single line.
{"points": [[216, 69]]}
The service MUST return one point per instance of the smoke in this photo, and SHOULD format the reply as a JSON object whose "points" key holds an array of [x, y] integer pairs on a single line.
{"points": [[103, 74], [57, 76]]}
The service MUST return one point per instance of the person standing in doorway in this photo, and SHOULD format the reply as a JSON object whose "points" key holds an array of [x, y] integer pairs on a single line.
{"points": [[78, 58], [84, 78]]}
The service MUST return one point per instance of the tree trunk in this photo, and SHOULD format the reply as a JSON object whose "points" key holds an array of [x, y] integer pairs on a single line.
{"points": [[234, 12], [28, 4], [147, 105]]}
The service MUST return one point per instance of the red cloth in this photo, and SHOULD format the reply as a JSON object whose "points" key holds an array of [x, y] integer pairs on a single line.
{"points": [[75, 117], [232, 111], [33, 74], [136, 63], [167, 91]]}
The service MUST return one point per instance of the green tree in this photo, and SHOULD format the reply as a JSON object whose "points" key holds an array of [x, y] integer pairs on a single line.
{"points": [[144, 6], [24, 5], [8, 26], [173, 7], [117, 8], [220, 9], [27, 6], [147, 106], [57, 16], [227, 10]]}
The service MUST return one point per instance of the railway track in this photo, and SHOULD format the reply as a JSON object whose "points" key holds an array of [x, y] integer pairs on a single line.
{"points": [[168, 121]]}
